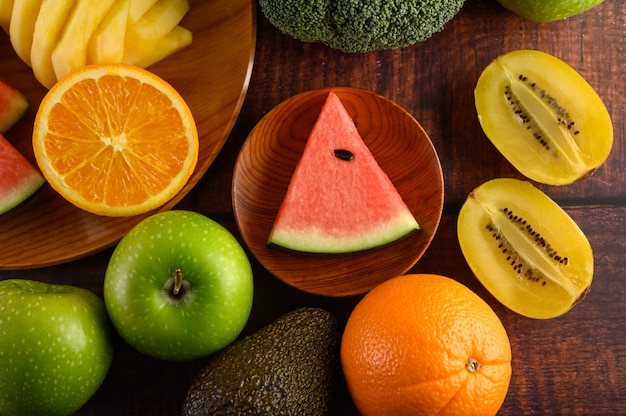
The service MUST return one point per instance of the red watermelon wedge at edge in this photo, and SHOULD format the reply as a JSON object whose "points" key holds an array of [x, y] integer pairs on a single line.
{"points": [[18, 177], [12, 106], [339, 200]]}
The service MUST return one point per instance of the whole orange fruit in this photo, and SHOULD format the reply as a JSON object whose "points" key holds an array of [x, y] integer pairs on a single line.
{"points": [[424, 344]]}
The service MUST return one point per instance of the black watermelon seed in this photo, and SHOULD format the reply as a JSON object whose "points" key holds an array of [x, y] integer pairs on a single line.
{"points": [[344, 154]]}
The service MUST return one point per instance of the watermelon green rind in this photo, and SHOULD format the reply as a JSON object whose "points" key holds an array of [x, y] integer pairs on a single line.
{"points": [[334, 205], [22, 191], [13, 105], [312, 240], [19, 179]]}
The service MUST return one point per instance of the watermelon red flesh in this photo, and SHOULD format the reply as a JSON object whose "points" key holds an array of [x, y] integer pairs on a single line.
{"points": [[13, 105], [334, 205], [18, 177]]}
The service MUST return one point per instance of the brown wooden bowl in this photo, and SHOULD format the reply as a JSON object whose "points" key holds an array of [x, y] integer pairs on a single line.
{"points": [[267, 161], [211, 74]]}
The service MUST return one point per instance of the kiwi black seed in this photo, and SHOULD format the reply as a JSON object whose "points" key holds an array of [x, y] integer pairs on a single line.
{"points": [[517, 263], [561, 116]]}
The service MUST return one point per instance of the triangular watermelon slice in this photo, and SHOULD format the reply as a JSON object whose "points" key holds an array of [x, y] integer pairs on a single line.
{"points": [[18, 177], [13, 104], [339, 200]]}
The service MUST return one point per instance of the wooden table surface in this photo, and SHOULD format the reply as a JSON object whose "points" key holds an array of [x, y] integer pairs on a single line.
{"points": [[572, 365]]}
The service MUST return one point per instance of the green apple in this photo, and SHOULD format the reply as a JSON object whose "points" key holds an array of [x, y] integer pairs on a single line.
{"points": [[55, 347], [178, 286], [544, 11]]}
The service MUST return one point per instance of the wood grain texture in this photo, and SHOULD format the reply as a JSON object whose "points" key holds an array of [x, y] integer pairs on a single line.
{"points": [[269, 157], [569, 366], [48, 230]]}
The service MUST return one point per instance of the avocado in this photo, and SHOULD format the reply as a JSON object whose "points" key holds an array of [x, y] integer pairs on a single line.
{"points": [[289, 367]]}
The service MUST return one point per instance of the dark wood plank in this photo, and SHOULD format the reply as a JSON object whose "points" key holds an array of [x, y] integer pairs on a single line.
{"points": [[572, 365]]}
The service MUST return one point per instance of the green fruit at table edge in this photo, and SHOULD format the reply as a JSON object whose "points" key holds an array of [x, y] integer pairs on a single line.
{"points": [[55, 347], [189, 251], [544, 11], [289, 367]]}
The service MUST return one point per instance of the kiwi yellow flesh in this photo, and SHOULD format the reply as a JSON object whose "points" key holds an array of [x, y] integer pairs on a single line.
{"points": [[524, 248], [546, 120]]}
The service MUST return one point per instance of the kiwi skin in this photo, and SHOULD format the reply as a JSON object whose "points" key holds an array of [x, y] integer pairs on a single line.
{"points": [[524, 248], [543, 117]]}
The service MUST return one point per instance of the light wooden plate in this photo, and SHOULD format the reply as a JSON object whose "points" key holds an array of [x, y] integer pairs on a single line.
{"points": [[267, 161], [212, 75]]}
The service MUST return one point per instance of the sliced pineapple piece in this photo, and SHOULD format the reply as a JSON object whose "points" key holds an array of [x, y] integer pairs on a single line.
{"points": [[52, 18], [22, 26], [157, 34], [161, 18], [138, 8], [71, 50], [144, 52], [107, 43], [56, 37], [6, 7]]}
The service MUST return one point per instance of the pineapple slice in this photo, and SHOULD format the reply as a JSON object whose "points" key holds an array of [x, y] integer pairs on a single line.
{"points": [[22, 26], [138, 8], [107, 43], [157, 34], [160, 19], [71, 50], [144, 52], [48, 28], [6, 7], [56, 37]]}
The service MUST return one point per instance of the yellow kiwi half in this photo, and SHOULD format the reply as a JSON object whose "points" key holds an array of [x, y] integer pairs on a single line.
{"points": [[524, 248], [546, 120]]}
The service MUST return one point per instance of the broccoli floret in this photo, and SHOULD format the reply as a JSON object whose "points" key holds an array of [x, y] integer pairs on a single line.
{"points": [[361, 25], [306, 20]]}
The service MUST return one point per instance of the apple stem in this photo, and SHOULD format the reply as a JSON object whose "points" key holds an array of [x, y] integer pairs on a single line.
{"points": [[178, 281]]}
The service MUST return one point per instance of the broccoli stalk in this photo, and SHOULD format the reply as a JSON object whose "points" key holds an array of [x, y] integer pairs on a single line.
{"points": [[361, 25]]}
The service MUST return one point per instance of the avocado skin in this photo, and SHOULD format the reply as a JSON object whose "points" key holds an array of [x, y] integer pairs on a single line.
{"points": [[289, 367]]}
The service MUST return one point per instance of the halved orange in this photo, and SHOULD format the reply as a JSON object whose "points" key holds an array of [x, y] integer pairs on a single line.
{"points": [[115, 139]]}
